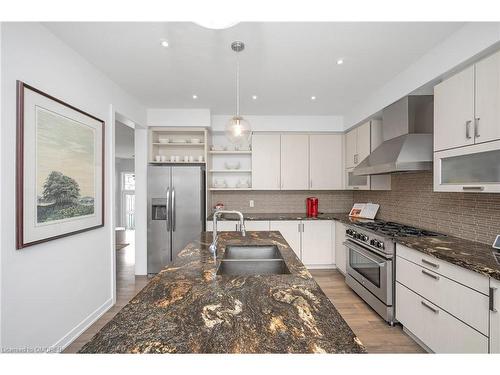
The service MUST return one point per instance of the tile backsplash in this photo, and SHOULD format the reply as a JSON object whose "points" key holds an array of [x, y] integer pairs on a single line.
{"points": [[283, 201], [412, 201]]}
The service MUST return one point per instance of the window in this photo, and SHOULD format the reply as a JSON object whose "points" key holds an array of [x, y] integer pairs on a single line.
{"points": [[128, 181]]}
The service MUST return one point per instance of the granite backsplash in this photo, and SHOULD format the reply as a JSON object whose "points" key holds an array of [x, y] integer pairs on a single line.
{"points": [[412, 201], [283, 201]]}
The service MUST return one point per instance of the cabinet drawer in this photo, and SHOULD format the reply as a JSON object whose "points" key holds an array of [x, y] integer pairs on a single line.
{"points": [[462, 302], [437, 329], [472, 279]]}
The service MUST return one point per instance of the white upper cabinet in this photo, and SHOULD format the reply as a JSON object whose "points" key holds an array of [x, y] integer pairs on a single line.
{"points": [[487, 120], [266, 163], [467, 129], [467, 106], [357, 145], [318, 243], [454, 111], [325, 162], [350, 148], [294, 162], [363, 144]]}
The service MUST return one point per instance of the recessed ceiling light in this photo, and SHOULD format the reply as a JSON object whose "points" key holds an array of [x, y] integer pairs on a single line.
{"points": [[164, 43], [195, 96], [313, 97], [254, 97], [216, 24], [340, 61]]}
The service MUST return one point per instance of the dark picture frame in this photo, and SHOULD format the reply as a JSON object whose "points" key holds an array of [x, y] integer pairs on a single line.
{"points": [[21, 240]]}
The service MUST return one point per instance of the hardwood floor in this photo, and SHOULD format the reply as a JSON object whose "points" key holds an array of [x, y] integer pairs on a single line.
{"points": [[127, 286], [372, 330], [374, 333]]}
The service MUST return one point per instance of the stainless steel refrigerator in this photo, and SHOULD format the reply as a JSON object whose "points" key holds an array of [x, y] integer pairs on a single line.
{"points": [[176, 211]]}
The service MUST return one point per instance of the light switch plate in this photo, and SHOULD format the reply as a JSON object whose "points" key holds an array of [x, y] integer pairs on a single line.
{"points": [[251, 203]]}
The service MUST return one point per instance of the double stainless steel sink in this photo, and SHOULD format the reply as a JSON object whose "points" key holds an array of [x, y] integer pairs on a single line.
{"points": [[252, 260]]}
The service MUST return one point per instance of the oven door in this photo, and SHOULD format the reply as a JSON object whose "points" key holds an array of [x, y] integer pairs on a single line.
{"points": [[371, 270]]}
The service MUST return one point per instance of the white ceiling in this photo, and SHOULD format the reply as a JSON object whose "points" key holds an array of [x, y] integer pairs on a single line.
{"points": [[284, 64]]}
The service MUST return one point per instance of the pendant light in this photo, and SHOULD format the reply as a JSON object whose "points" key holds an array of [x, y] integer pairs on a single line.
{"points": [[238, 130]]}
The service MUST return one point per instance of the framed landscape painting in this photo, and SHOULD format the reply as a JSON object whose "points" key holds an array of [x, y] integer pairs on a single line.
{"points": [[60, 168]]}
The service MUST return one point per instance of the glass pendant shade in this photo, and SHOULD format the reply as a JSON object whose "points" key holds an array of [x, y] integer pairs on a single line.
{"points": [[238, 131]]}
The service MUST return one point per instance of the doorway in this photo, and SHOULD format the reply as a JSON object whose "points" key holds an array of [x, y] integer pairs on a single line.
{"points": [[124, 209]]}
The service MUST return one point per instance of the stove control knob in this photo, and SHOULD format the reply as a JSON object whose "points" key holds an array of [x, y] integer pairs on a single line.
{"points": [[364, 238], [380, 245], [372, 242]]}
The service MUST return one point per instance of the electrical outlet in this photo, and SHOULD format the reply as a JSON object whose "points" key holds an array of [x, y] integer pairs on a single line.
{"points": [[251, 203]]}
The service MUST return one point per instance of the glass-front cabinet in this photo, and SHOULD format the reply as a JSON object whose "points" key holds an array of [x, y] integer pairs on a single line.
{"points": [[473, 168], [353, 182]]}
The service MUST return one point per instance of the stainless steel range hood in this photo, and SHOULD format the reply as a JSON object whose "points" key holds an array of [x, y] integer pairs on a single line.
{"points": [[407, 132]]}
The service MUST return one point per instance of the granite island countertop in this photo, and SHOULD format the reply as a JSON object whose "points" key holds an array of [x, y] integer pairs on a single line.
{"points": [[187, 308]]}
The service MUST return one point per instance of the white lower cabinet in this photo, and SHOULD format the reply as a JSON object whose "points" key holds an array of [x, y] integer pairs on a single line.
{"points": [[233, 225], [312, 240], [340, 249], [317, 244], [445, 306], [257, 225], [495, 316], [223, 226], [290, 230], [438, 330]]}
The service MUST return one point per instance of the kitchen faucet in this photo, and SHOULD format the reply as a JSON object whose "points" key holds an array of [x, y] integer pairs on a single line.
{"points": [[213, 246]]}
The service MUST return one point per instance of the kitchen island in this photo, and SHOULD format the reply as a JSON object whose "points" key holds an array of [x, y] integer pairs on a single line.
{"points": [[188, 308]]}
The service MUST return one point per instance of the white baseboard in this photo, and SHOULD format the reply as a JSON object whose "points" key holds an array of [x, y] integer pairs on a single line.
{"points": [[321, 267], [71, 336]]}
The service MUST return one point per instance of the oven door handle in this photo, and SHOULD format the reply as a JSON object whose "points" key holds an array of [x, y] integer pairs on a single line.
{"points": [[363, 252]]}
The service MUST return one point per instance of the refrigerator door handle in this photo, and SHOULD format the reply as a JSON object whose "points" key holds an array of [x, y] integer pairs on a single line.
{"points": [[167, 221], [173, 209]]}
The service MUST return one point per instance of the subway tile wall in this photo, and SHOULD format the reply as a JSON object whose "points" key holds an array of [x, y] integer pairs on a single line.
{"points": [[411, 201], [283, 201]]}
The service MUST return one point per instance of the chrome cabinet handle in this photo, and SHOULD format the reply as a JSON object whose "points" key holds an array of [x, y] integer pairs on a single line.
{"points": [[492, 299], [167, 213], [480, 188], [430, 263], [173, 210], [435, 311], [299, 227], [476, 127], [467, 129], [435, 277]]}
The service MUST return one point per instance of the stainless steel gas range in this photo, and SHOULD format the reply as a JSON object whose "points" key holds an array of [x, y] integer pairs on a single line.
{"points": [[370, 261]]}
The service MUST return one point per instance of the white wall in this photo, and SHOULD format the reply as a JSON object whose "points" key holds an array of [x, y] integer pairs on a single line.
{"points": [[455, 51], [178, 117], [141, 194], [285, 123], [52, 291], [124, 141]]}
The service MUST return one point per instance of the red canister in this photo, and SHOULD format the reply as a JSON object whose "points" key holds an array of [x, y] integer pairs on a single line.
{"points": [[312, 207]]}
